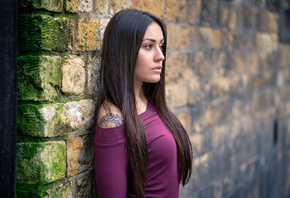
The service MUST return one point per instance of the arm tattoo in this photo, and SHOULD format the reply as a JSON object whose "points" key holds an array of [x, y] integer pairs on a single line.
{"points": [[110, 117]]}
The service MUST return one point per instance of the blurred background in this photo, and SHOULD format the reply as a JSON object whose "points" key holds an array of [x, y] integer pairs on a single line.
{"points": [[228, 82]]}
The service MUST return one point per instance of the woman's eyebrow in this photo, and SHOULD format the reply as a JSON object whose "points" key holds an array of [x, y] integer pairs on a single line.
{"points": [[153, 40]]}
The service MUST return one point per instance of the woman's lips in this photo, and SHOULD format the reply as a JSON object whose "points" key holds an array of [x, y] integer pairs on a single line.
{"points": [[157, 69]]}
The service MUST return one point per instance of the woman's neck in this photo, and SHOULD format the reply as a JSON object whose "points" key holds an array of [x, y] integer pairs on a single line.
{"points": [[141, 100]]}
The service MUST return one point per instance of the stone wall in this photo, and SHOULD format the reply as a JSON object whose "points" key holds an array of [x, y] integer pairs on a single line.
{"points": [[228, 77]]}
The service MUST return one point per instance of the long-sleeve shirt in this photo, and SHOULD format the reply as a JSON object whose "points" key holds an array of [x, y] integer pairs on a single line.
{"points": [[111, 160]]}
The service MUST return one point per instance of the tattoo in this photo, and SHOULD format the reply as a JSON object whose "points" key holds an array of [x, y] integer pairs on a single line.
{"points": [[110, 117]]}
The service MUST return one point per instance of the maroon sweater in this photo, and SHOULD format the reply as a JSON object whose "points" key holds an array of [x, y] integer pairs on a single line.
{"points": [[111, 160]]}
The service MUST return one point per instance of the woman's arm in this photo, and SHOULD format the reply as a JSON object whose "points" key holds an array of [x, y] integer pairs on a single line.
{"points": [[110, 155]]}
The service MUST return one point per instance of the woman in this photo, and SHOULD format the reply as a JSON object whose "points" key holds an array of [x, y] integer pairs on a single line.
{"points": [[141, 149]]}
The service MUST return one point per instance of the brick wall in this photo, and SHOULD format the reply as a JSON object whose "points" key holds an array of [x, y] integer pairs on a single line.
{"points": [[228, 77]]}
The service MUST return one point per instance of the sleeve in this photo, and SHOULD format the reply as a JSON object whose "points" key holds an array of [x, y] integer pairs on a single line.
{"points": [[110, 162]]}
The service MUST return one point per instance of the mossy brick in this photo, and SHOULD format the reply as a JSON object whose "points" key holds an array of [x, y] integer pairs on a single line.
{"points": [[42, 32], [39, 77], [50, 5], [40, 162], [54, 119], [41, 120], [51, 190]]}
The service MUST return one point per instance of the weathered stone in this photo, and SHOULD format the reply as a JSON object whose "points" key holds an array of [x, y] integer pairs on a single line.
{"points": [[55, 190], [60, 191], [39, 77], [210, 38], [154, 7], [103, 25], [175, 11], [71, 5], [223, 14], [78, 115], [208, 14], [92, 75], [85, 5], [249, 14], [194, 9], [79, 5], [184, 118], [43, 32], [48, 120], [173, 67], [117, 5], [267, 42], [101, 6], [50, 5], [83, 187], [43, 120], [79, 155], [178, 95], [40, 162], [74, 75], [87, 34]]}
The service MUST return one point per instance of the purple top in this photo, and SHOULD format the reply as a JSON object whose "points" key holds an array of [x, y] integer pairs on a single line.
{"points": [[162, 177]]}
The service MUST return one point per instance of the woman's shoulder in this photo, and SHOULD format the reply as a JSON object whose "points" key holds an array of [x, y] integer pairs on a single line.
{"points": [[109, 116]]}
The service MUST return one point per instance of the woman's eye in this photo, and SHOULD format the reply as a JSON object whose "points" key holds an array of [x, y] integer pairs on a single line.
{"points": [[162, 47], [149, 47]]}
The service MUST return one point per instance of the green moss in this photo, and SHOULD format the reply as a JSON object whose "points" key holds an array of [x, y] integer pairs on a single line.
{"points": [[51, 5], [39, 77], [29, 120], [40, 162], [37, 32]]}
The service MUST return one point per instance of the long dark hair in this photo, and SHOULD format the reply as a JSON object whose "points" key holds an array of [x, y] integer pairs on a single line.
{"points": [[122, 40]]}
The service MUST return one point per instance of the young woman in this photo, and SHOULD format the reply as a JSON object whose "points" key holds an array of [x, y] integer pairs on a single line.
{"points": [[141, 149]]}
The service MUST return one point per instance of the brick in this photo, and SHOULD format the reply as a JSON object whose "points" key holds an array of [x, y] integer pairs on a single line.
{"points": [[74, 75], [50, 5], [43, 120], [210, 64], [175, 11], [40, 162], [101, 6], [249, 14], [49, 120], [79, 5], [42, 32], [92, 75], [84, 186], [173, 67], [87, 34], [267, 22], [267, 42], [79, 155], [117, 5], [39, 77], [243, 41], [71, 5], [220, 86], [208, 15], [223, 13], [197, 91], [227, 39], [51, 190], [197, 143], [283, 54], [103, 25], [178, 95], [154, 7], [194, 9], [184, 118], [210, 38], [236, 18]]}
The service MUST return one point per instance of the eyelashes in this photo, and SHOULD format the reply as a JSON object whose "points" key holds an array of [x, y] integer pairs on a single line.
{"points": [[150, 46]]}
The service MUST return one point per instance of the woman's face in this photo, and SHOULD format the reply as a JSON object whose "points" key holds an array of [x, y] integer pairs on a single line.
{"points": [[149, 61]]}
